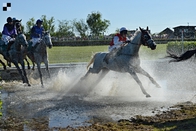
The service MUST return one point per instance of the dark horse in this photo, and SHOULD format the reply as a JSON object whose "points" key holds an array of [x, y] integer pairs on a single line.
{"points": [[188, 54], [17, 23], [16, 54]]}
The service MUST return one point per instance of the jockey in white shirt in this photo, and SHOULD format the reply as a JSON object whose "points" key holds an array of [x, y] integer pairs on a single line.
{"points": [[118, 41]]}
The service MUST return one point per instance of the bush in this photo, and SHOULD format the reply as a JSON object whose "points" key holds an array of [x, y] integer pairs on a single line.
{"points": [[178, 47]]}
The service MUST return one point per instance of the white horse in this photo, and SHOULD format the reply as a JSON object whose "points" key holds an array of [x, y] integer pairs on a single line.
{"points": [[125, 60], [40, 54]]}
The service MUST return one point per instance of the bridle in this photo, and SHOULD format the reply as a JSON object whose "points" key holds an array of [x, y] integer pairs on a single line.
{"points": [[146, 38]]}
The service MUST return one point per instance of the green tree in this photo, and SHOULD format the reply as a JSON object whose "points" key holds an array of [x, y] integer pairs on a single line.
{"points": [[117, 30], [96, 25], [81, 27], [29, 25], [64, 29], [48, 24]]}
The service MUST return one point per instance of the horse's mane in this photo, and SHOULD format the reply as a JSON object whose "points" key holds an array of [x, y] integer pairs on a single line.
{"points": [[136, 34]]}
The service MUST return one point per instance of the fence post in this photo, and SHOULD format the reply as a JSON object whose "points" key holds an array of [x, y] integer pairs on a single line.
{"points": [[182, 40]]}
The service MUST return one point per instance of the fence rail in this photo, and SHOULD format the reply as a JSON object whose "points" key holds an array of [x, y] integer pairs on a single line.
{"points": [[105, 42]]}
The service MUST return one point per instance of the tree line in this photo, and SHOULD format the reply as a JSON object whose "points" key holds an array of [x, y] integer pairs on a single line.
{"points": [[93, 26]]}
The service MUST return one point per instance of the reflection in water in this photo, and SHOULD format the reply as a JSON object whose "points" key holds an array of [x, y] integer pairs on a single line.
{"points": [[62, 118]]}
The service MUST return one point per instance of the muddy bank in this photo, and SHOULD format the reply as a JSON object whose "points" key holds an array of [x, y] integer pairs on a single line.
{"points": [[178, 117]]}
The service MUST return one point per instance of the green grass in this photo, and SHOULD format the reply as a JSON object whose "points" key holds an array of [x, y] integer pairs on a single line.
{"points": [[67, 54], [148, 54], [71, 54]]}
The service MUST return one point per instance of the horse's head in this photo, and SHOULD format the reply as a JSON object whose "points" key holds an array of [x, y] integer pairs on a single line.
{"points": [[47, 39], [18, 25], [146, 39]]}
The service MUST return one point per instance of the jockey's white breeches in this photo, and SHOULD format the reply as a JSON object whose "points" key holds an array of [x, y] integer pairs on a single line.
{"points": [[35, 41], [7, 39]]}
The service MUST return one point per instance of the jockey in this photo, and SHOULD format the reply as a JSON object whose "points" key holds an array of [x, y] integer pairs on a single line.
{"points": [[118, 41], [36, 33], [9, 32]]}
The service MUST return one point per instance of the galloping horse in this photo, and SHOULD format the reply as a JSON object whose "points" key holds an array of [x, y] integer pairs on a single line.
{"points": [[17, 23], [40, 54], [16, 55], [126, 60]]}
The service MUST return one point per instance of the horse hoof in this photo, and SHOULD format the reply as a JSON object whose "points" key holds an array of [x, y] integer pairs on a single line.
{"points": [[147, 96]]}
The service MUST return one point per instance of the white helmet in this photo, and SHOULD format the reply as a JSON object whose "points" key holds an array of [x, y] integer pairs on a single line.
{"points": [[122, 29]]}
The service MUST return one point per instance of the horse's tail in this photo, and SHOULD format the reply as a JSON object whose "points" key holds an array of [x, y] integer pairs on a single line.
{"points": [[185, 56], [91, 61]]}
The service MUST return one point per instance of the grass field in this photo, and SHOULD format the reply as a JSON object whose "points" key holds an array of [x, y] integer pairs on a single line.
{"points": [[71, 54], [67, 54]]}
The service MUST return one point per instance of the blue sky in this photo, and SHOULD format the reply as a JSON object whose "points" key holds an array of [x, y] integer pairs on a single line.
{"points": [[157, 14]]}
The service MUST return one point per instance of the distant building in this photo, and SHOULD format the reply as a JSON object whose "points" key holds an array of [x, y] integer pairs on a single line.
{"points": [[166, 33], [188, 31]]}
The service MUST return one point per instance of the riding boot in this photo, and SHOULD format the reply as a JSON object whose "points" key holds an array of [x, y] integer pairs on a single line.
{"points": [[7, 50]]}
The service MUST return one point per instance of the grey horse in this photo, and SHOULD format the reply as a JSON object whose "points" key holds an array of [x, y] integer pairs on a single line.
{"points": [[125, 60], [16, 55], [40, 54]]}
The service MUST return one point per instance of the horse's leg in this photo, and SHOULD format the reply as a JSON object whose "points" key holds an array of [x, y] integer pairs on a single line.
{"points": [[24, 72], [91, 70], [143, 72], [33, 68], [101, 76], [30, 56], [27, 63], [19, 70], [4, 66], [40, 73], [9, 63], [135, 77], [47, 69]]}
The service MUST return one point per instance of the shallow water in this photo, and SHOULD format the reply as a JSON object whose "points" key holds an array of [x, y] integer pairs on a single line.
{"points": [[116, 97]]}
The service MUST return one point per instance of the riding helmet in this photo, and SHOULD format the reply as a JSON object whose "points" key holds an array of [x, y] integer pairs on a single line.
{"points": [[39, 21], [9, 19], [123, 30]]}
